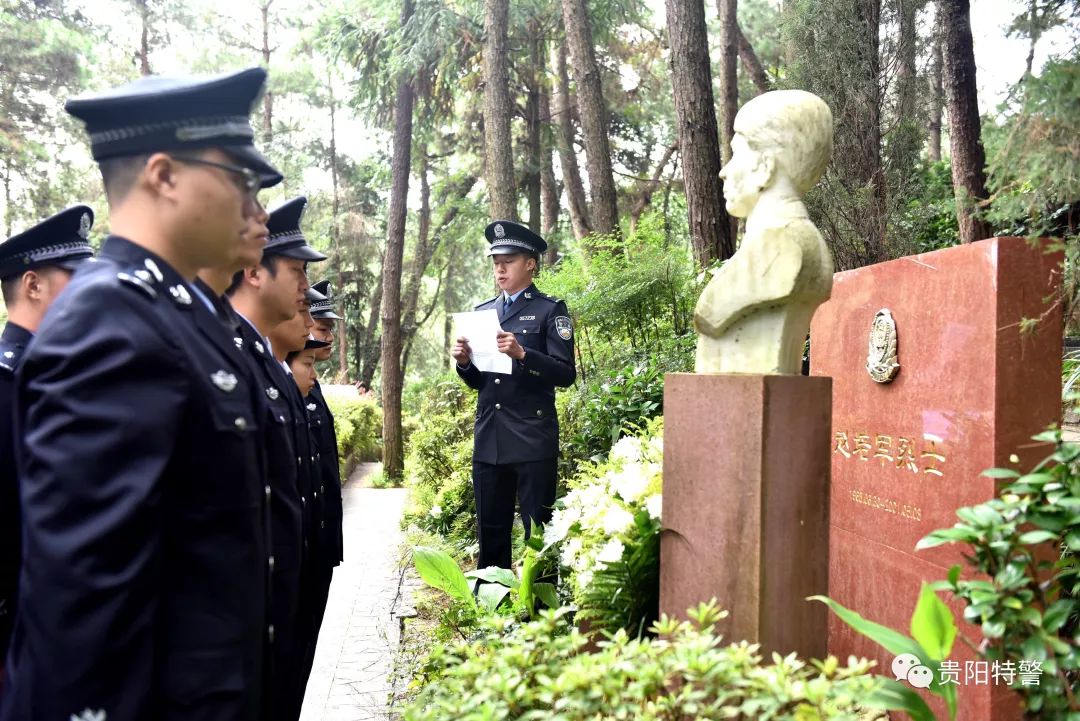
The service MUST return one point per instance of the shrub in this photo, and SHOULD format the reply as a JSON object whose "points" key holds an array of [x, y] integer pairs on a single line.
{"points": [[542, 670], [1025, 590], [608, 530], [438, 465], [599, 413], [358, 424]]}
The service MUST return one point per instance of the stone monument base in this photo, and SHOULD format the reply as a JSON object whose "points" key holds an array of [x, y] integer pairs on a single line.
{"points": [[746, 505]]}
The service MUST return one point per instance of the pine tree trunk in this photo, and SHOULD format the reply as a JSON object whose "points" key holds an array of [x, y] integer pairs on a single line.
{"points": [[335, 231], [564, 140], [498, 145], [268, 97], [531, 171], [710, 225], [729, 75], [144, 39], [393, 447], [549, 188], [751, 64], [965, 142], [937, 91], [421, 254], [370, 346], [593, 110]]}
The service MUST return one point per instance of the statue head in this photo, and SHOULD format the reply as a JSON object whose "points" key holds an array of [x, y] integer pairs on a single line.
{"points": [[780, 133]]}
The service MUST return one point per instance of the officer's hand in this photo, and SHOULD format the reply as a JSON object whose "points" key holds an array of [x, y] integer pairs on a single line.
{"points": [[461, 352], [508, 344]]}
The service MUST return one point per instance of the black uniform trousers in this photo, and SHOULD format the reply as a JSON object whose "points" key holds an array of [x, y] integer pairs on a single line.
{"points": [[495, 488]]}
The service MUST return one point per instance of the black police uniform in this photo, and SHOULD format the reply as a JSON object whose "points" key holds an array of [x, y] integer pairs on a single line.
{"points": [[143, 591], [516, 442], [59, 241], [286, 478], [328, 552]]}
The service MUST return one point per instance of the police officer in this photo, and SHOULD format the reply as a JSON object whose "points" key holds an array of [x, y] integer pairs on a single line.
{"points": [[329, 491], [516, 446], [144, 588], [267, 295], [34, 267]]}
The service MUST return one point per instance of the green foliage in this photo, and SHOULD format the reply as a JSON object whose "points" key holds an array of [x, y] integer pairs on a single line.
{"points": [[928, 221], [358, 424], [607, 528], [438, 465], [933, 631], [544, 670], [630, 303], [1024, 594], [595, 415]]}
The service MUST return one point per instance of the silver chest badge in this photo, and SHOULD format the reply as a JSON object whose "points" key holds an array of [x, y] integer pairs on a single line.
{"points": [[180, 294], [272, 393], [881, 355], [224, 380]]}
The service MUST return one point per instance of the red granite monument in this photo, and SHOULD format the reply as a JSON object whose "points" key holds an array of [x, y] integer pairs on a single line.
{"points": [[972, 380]]}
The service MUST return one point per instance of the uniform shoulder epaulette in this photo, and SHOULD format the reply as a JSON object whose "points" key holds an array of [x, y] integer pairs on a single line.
{"points": [[489, 300], [134, 280], [549, 298]]}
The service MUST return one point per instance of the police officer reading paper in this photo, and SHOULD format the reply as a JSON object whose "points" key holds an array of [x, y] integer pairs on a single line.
{"points": [[35, 266], [516, 446], [143, 592]]}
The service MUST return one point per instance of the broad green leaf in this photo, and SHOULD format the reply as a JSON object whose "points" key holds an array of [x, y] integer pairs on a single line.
{"points": [[439, 570], [1057, 614], [954, 574], [1001, 473], [494, 574], [892, 641], [945, 535], [490, 595], [546, 593], [894, 696], [932, 625], [1037, 537]]}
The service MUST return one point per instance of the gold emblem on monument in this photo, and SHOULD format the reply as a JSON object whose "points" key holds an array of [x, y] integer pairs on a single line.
{"points": [[881, 361]]}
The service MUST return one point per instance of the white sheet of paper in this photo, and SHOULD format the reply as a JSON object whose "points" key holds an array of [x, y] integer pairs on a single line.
{"points": [[481, 327]]}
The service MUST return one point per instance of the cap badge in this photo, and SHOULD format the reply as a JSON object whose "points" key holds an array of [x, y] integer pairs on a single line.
{"points": [[153, 268], [180, 294], [224, 380], [84, 226], [499, 232], [272, 393]]}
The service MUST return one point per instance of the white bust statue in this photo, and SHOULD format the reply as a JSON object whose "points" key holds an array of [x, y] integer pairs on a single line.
{"points": [[754, 314]]}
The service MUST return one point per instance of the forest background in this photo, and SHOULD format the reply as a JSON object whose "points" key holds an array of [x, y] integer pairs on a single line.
{"points": [[379, 111]]}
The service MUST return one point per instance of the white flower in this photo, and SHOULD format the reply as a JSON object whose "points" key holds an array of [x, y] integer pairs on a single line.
{"points": [[617, 520], [570, 551], [630, 482], [584, 578], [436, 511], [611, 552], [657, 444], [562, 520], [627, 448], [653, 505]]}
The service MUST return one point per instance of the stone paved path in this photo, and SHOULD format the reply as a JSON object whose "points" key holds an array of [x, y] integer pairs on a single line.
{"points": [[353, 661]]}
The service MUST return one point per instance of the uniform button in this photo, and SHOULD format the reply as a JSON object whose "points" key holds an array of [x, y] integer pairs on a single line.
{"points": [[240, 423], [298, 460], [267, 491], [271, 564], [498, 406], [281, 418], [498, 381], [524, 332], [315, 493], [303, 500], [539, 413], [322, 524], [270, 632], [313, 459]]}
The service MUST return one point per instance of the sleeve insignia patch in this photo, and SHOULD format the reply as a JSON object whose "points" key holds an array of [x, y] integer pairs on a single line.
{"points": [[564, 328]]}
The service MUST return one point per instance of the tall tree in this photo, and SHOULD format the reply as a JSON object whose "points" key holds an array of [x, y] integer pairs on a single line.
{"points": [[752, 64], [533, 128], [392, 381], [965, 131], [498, 108], [266, 51], [937, 90], [564, 140], [710, 225], [729, 80], [594, 121]]}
